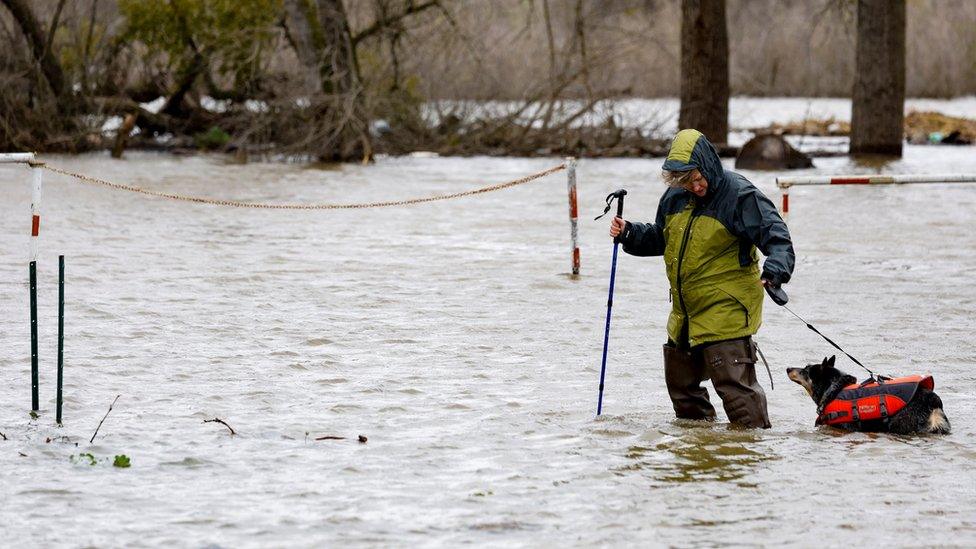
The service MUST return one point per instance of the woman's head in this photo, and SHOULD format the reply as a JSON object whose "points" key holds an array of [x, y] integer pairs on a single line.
{"points": [[691, 180]]}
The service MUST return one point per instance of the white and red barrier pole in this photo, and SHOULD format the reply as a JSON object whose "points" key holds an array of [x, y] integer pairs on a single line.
{"points": [[785, 183], [573, 213], [35, 209], [28, 158], [35, 231], [16, 158]]}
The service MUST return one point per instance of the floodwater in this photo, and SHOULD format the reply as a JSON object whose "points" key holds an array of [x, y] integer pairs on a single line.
{"points": [[451, 335]]}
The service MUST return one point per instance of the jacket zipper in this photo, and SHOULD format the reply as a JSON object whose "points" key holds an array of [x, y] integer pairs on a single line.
{"points": [[681, 256]]}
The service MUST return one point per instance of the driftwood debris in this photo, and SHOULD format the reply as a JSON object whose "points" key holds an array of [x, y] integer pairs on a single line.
{"points": [[122, 135], [361, 438], [222, 422], [103, 419]]}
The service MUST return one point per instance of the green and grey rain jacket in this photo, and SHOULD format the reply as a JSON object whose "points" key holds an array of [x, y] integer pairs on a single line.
{"points": [[709, 247]]}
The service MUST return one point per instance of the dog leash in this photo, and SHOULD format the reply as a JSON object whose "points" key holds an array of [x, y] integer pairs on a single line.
{"points": [[856, 361]]}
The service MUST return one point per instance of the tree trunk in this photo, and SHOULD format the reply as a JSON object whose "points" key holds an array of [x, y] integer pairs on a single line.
{"points": [[36, 39], [187, 77], [878, 115], [705, 69], [122, 135], [319, 32]]}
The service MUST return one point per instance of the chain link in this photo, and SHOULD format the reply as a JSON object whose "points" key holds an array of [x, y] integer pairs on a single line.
{"points": [[258, 205]]}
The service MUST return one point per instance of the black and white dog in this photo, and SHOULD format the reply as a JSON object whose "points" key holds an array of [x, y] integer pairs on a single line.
{"points": [[905, 405]]}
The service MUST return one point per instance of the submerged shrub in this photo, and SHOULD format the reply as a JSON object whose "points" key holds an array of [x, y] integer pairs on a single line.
{"points": [[212, 139], [84, 458]]}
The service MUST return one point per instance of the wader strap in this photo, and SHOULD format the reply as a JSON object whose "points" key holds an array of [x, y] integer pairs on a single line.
{"points": [[763, 357]]}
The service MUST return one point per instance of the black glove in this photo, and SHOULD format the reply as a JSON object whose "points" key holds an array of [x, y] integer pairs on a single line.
{"points": [[775, 289]]}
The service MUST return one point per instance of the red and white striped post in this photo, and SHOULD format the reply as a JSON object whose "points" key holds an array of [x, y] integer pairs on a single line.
{"points": [[35, 209], [35, 231], [573, 213], [28, 158], [784, 183]]}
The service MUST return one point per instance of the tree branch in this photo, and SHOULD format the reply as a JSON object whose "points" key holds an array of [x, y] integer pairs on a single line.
{"points": [[32, 30], [103, 418], [149, 122], [88, 43], [384, 22], [55, 21], [222, 422]]}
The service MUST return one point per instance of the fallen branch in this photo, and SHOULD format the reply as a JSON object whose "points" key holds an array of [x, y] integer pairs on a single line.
{"points": [[222, 422], [103, 419], [3, 435], [361, 438]]}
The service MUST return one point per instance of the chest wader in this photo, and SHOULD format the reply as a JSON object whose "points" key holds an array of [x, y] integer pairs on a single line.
{"points": [[683, 376], [731, 365]]}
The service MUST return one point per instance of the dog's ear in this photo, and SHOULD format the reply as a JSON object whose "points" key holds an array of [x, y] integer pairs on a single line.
{"points": [[830, 361]]}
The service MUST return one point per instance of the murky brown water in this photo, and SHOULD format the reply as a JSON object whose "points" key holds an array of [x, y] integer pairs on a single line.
{"points": [[451, 335]]}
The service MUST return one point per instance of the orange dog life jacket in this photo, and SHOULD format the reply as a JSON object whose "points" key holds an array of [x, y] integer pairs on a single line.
{"points": [[872, 401]]}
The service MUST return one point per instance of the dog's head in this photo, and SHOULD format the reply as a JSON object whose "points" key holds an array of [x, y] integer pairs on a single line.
{"points": [[817, 378]]}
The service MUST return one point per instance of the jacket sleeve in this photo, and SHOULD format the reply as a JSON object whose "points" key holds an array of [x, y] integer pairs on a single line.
{"points": [[758, 220], [645, 239]]}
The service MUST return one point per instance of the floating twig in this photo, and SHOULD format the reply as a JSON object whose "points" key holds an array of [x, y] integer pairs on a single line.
{"points": [[222, 422], [4, 436], [103, 419], [361, 438]]}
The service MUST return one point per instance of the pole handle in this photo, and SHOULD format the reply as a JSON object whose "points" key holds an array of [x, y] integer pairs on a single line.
{"points": [[619, 194]]}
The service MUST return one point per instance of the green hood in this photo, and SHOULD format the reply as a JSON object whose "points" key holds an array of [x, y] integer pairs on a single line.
{"points": [[691, 150]]}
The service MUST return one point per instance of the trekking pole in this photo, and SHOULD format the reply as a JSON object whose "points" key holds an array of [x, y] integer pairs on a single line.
{"points": [[619, 195]]}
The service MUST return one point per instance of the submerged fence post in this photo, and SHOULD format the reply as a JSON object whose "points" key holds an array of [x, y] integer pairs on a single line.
{"points": [[573, 216], [35, 231], [60, 335], [33, 326]]}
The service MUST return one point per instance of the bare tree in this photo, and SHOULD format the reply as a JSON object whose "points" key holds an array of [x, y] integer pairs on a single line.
{"points": [[705, 69], [877, 119], [319, 33], [40, 44]]}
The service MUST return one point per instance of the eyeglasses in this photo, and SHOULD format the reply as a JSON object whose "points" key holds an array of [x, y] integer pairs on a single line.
{"points": [[694, 181]]}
